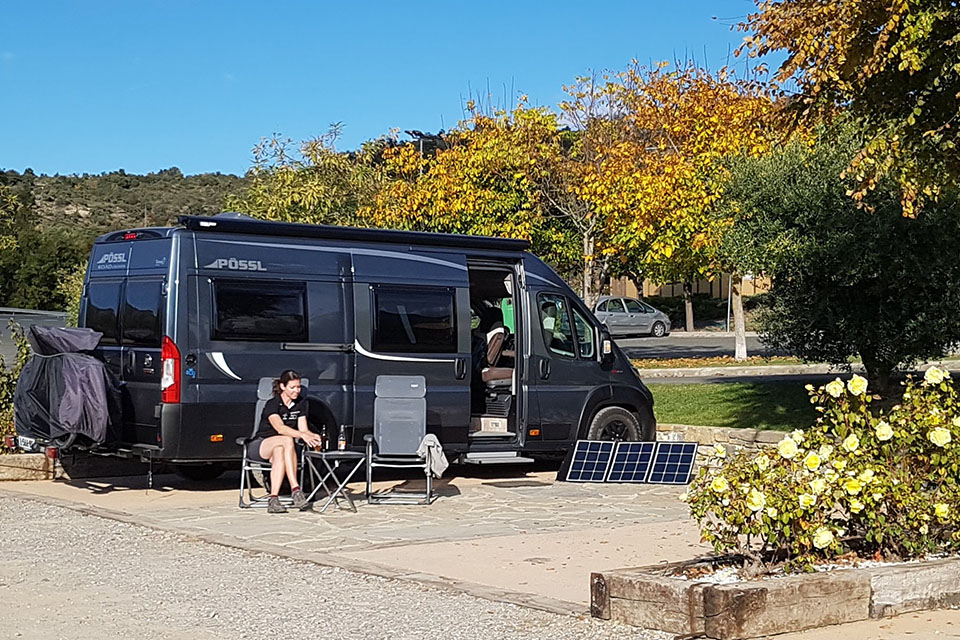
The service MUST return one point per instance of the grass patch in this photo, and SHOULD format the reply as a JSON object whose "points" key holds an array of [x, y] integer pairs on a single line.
{"points": [[715, 361], [783, 406]]}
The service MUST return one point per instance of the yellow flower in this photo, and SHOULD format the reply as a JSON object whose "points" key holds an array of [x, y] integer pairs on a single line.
{"points": [[934, 375], [857, 385], [941, 510], [851, 443], [884, 431], [797, 436], [807, 500], [819, 485], [756, 500], [808, 387], [772, 512], [866, 476], [939, 436], [788, 448], [720, 451], [856, 506], [822, 538], [762, 462], [852, 485], [840, 465], [835, 388], [826, 450], [719, 484], [812, 461], [956, 421]]}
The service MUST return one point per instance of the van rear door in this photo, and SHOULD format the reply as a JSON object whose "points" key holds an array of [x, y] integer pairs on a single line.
{"points": [[142, 333]]}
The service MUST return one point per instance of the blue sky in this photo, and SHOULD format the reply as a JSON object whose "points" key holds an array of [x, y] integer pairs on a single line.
{"points": [[87, 87]]}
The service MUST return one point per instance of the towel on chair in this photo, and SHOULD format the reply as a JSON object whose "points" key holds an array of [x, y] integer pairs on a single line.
{"points": [[432, 452]]}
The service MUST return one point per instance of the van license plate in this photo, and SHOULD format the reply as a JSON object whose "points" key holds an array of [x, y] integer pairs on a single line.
{"points": [[25, 443]]}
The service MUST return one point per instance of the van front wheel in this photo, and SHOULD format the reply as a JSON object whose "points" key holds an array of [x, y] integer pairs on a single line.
{"points": [[614, 423]]}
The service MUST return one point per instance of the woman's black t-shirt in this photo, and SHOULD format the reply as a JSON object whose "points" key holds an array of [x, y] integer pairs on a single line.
{"points": [[288, 415]]}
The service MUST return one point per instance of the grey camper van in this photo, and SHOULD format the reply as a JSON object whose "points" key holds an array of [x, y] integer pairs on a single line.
{"points": [[192, 316]]}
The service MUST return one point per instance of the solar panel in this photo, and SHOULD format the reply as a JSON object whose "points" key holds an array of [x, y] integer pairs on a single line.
{"points": [[590, 461], [673, 463], [631, 462]]}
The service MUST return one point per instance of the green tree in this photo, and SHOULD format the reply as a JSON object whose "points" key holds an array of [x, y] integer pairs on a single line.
{"points": [[846, 281]]}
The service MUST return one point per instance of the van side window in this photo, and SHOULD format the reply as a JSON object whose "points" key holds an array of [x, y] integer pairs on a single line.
{"points": [[260, 310], [103, 303], [555, 322], [141, 313], [414, 320], [584, 336]]}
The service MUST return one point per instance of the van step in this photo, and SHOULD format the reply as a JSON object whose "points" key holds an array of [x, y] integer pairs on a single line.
{"points": [[494, 457], [492, 434]]}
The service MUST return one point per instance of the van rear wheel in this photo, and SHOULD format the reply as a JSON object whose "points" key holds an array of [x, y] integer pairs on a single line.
{"points": [[614, 423]]}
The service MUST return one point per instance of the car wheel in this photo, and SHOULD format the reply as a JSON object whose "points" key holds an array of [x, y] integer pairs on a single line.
{"points": [[614, 423], [659, 330], [200, 472]]}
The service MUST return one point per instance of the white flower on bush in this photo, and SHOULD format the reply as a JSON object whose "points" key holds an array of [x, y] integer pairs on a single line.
{"points": [[857, 385], [719, 484], [756, 500], [719, 451], [939, 436], [807, 500], [762, 462], [935, 375], [788, 448], [684, 497], [877, 497], [956, 422], [851, 443], [825, 451], [883, 431], [866, 476], [831, 475], [811, 461], [856, 506], [941, 509], [924, 530], [772, 512], [822, 538], [797, 436], [819, 485], [835, 388]]}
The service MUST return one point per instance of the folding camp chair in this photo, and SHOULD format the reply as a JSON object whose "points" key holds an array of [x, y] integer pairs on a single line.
{"points": [[252, 466], [399, 425]]}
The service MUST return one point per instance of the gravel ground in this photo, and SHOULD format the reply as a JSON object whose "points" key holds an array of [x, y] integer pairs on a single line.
{"points": [[67, 575]]}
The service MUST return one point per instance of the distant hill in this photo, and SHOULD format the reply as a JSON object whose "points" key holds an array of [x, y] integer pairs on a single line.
{"points": [[118, 200]]}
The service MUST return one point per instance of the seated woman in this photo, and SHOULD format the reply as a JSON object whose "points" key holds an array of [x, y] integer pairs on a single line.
{"points": [[284, 419]]}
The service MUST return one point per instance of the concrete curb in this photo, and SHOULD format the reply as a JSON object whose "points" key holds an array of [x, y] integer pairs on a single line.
{"points": [[769, 370], [680, 333], [493, 594]]}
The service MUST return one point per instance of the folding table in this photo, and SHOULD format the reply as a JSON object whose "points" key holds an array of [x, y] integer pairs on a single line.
{"points": [[324, 474]]}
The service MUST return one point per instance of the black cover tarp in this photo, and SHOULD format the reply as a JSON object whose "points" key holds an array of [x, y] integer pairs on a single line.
{"points": [[64, 395]]}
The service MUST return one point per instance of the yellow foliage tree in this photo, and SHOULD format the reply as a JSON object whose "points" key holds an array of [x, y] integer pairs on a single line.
{"points": [[894, 65]]}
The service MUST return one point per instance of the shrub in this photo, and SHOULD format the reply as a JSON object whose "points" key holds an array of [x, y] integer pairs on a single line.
{"points": [[8, 381], [882, 485]]}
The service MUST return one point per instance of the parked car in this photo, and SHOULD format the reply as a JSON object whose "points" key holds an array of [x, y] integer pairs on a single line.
{"points": [[627, 316], [193, 316]]}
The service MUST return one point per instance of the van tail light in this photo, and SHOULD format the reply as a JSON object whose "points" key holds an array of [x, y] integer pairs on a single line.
{"points": [[52, 452], [10, 442], [170, 378]]}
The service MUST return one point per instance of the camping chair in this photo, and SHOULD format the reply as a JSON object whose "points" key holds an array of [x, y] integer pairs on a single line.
{"points": [[399, 426], [251, 466]]}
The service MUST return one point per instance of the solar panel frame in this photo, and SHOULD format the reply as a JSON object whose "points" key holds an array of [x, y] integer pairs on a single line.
{"points": [[590, 461], [631, 462], [673, 463]]}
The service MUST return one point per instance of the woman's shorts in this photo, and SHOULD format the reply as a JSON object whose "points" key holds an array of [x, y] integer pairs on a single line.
{"points": [[253, 450]]}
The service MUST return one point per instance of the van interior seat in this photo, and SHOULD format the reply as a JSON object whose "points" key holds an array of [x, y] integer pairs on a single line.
{"points": [[496, 336]]}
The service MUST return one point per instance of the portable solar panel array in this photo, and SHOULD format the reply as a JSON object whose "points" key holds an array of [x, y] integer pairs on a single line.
{"points": [[636, 462]]}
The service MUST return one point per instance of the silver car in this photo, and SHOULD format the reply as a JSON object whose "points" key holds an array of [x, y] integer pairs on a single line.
{"points": [[627, 316]]}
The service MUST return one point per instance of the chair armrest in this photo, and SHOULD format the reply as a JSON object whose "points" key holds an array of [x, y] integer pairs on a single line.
{"points": [[368, 438], [244, 441]]}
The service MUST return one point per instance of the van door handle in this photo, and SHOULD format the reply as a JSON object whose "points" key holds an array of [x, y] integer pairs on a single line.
{"points": [[544, 368], [461, 368], [133, 360]]}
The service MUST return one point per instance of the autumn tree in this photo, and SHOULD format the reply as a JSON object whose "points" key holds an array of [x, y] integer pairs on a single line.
{"points": [[313, 182], [893, 65], [655, 171]]}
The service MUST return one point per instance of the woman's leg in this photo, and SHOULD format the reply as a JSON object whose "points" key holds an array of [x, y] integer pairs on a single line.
{"points": [[290, 457], [274, 450]]}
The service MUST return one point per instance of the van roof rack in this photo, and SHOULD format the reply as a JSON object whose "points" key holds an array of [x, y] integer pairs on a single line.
{"points": [[238, 224]]}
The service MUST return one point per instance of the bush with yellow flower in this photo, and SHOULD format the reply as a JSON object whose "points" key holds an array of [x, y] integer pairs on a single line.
{"points": [[879, 484]]}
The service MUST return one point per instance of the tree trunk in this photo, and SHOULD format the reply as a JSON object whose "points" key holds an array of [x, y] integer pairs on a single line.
{"points": [[688, 304], [739, 327], [878, 374], [590, 288]]}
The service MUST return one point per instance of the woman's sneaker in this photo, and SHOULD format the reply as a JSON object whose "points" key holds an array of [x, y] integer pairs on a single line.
{"points": [[299, 500], [274, 506]]}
